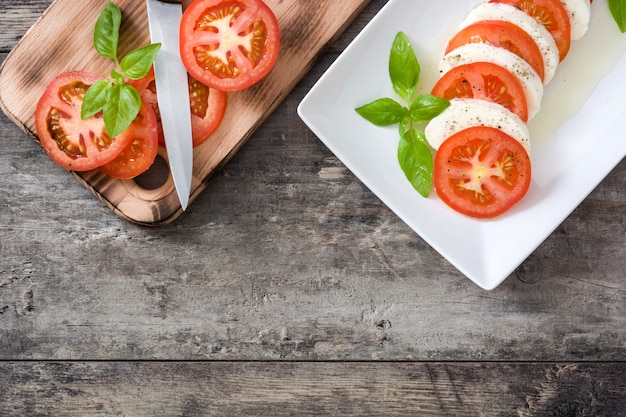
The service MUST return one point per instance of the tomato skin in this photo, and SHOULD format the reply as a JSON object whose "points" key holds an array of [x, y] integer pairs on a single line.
{"points": [[550, 13], [208, 107], [147, 90], [481, 172], [483, 80], [73, 143], [139, 154], [229, 45], [502, 34]]}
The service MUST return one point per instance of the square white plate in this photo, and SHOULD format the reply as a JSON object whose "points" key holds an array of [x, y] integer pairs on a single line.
{"points": [[577, 138]]}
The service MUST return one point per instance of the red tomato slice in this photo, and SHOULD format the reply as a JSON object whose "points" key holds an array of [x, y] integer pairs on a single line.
{"points": [[504, 35], [484, 80], [550, 13], [73, 143], [229, 44], [140, 153], [481, 172], [208, 106]]}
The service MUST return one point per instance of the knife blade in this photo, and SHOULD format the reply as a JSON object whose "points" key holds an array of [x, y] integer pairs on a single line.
{"points": [[172, 93]]}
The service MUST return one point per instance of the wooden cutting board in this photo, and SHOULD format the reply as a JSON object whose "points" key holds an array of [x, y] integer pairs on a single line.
{"points": [[61, 40]]}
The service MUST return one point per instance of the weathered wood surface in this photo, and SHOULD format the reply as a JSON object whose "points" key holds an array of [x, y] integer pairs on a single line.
{"points": [[291, 289], [305, 389]]}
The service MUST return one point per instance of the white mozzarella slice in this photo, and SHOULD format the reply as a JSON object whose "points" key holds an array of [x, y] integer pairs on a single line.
{"points": [[465, 113], [511, 14], [483, 52], [579, 12]]}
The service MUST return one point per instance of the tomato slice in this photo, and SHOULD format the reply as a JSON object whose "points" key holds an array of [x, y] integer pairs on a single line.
{"points": [[208, 106], [229, 45], [504, 35], [73, 143], [481, 172], [140, 153], [484, 80], [550, 13]]}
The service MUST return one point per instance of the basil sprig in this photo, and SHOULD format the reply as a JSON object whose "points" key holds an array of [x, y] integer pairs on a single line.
{"points": [[414, 154], [618, 11], [119, 101]]}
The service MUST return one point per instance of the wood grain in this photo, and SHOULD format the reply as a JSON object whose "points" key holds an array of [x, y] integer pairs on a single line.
{"points": [[29, 68], [288, 288], [304, 389], [289, 257]]}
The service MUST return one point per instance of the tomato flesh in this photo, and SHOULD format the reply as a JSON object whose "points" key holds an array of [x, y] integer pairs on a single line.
{"points": [[140, 153], [551, 14], [481, 172], [484, 80], [74, 143], [207, 105], [504, 35], [229, 45]]}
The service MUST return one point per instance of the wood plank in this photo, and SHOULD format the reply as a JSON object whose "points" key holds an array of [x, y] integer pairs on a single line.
{"points": [[288, 256], [305, 389], [16, 17], [29, 68]]}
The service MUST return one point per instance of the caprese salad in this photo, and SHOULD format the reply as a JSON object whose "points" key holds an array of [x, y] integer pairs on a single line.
{"points": [[493, 73]]}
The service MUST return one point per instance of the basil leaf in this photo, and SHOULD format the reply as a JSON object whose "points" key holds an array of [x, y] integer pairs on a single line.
{"points": [[416, 160], [618, 10], [123, 104], [383, 112], [137, 63], [117, 77], [426, 107], [95, 98], [107, 31], [404, 69]]}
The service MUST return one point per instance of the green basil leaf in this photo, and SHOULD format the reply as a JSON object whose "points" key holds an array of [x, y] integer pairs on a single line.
{"points": [[405, 124], [426, 106], [618, 10], [404, 69], [137, 63], [117, 77], [416, 160], [383, 112], [95, 98], [123, 104], [107, 31]]}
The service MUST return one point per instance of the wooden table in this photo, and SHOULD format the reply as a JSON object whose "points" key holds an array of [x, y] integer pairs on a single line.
{"points": [[289, 289]]}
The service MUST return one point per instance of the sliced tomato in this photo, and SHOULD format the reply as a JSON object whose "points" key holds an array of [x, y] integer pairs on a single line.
{"points": [[74, 143], [140, 153], [481, 172], [147, 89], [550, 13], [484, 80], [229, 45], [502, 34], [208, 106]]}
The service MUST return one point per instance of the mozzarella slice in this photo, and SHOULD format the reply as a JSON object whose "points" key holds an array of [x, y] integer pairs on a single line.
{"points": [[465, 113], [579, 12], [483, 52], [511, 14]]}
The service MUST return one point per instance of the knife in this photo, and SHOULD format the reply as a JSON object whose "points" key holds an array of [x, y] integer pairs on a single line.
{"points": [[172, 92]]}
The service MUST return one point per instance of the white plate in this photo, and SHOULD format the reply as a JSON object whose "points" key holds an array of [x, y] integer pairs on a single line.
{"points": [[577, 138]]}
